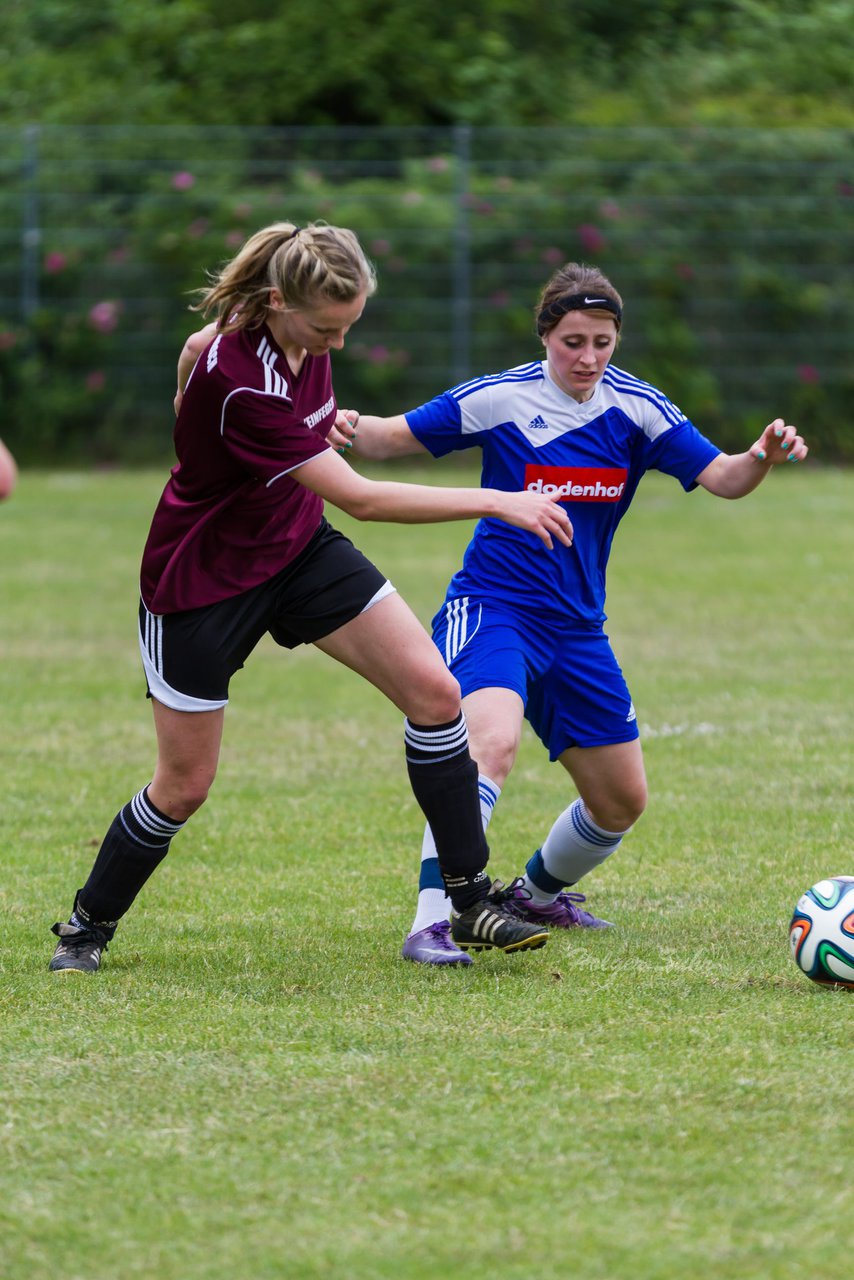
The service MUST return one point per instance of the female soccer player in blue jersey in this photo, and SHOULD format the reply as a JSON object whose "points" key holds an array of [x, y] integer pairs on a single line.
{"points": [[522, 631], [239, 547]]}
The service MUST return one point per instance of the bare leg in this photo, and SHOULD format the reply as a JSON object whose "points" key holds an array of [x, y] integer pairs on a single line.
{"points": [[389, 647], [141, 833], [188, 744], [611, 781], [494, 717], [612, 794], [495, 730]]}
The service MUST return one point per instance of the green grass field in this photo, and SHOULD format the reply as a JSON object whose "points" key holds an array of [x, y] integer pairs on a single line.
{"points": [[256, 1085]]}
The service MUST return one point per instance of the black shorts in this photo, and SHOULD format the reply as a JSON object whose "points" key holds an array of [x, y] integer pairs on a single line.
{"points": [[190, 657]]}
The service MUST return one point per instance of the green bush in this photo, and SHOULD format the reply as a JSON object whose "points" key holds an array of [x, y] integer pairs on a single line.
{"points": [[729, 247]]}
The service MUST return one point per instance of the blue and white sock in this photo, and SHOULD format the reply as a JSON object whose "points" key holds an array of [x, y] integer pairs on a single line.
{"points": [[574, 846], [433, 903]]}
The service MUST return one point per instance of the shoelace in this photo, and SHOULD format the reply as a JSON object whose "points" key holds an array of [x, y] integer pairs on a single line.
{"points": [[569, 900], [507, 899], [73, 936], [442, 933]]}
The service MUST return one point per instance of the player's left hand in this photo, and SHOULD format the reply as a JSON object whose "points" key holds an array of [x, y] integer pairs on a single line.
{"points": [[344, 431], [779, 442]]}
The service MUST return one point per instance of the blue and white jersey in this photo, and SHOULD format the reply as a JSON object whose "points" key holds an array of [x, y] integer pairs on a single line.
{"points": [[534, 436]]}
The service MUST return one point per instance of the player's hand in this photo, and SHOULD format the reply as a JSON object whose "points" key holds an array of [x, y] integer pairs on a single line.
{"points": [[779, 442], [539, 513], [344, 431]]}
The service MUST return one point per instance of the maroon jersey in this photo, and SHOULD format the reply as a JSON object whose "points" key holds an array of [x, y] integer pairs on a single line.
{"points": [[231, 516]]}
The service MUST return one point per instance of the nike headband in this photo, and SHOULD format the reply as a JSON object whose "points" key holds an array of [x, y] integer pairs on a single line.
{"points": [[550, 315]]}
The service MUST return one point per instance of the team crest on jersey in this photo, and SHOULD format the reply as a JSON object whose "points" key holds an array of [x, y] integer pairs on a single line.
{"points": [[577, 484]]}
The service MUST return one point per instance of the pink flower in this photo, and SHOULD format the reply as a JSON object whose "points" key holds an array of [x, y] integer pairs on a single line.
{"points": [[234, 239], [242, 210], [378, 355], [591, 238], [845, 188], [501, 298], [104, 316], [96, 380], [55, 262], [8, 340], [182, 181], [198, 227], [412, 197], [119, 255], [610, 209], [685, 271], [808, 373], [552, 256], [504, 184], [380, 246], [437, 164]]}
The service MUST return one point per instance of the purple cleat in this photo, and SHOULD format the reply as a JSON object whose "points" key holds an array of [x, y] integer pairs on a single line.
{"points": [[563, 913], [433, 945]]}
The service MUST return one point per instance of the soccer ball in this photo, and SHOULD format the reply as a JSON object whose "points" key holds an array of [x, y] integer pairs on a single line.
{"points": [[821, 934]]}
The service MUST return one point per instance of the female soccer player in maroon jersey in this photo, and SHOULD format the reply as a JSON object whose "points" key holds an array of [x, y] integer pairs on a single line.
{"points": [[239, 547]]}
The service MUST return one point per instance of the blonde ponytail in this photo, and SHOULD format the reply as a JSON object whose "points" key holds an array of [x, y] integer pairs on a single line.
{"points": [[315, 263]]}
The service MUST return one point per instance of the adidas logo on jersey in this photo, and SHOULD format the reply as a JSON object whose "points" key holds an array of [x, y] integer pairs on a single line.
{"points": [[538, 424]]}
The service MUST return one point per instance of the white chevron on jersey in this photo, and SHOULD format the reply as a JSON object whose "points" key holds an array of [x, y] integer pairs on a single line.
{"points": [[274, 383], [526, 395], [627, 391]]}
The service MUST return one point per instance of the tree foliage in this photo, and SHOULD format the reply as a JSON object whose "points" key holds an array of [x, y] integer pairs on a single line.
{"points": [[488, 62]]}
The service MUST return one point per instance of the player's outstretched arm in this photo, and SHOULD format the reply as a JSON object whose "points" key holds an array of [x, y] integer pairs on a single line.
{"points": [[732, 475], [373, 438], [8, 472], [386, 500]]}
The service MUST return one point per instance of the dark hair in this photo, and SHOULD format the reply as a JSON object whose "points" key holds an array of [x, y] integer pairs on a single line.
{"points": [[571, 288], [306, 264]]}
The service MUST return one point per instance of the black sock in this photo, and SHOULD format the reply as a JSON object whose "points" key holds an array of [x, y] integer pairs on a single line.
{"points": [[135, 845], [444, 779]]}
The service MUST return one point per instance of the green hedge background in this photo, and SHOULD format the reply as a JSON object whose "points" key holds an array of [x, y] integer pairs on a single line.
{"points": [[730, 247], [700, 152]]}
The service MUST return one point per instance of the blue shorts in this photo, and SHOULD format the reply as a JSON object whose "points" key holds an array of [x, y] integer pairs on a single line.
{"points": [[570, 682]]}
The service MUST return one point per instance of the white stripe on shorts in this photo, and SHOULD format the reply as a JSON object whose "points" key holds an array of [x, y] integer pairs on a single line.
{"points": [[151, 650], [385, 590], [457, 634]]}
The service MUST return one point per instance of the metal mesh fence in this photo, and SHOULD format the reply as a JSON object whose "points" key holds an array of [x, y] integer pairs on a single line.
{"points": [[732, 250]]}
